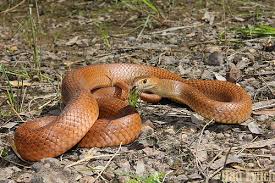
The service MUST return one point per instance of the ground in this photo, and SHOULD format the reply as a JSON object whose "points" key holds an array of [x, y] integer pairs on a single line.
{"points": [[196, 39]]}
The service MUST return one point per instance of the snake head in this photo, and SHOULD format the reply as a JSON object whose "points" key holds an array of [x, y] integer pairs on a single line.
{"points": [[147, 84]]}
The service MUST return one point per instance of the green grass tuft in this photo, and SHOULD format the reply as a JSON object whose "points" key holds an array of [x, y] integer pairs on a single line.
{"points": [[256, 31], [133, 98], [156, 177]]}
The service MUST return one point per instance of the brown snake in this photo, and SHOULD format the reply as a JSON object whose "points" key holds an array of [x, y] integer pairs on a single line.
{"points": [[96, 116]]}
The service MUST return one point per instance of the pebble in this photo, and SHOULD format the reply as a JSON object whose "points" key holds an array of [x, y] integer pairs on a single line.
{"points": [[220, 136], [215, 58], [131, 39], [273, 151], [206, 75], [173, 40], [37, 166], [52, 161]]}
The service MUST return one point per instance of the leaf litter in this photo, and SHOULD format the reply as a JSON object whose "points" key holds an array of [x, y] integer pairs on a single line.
{"points": [[192, 39]]}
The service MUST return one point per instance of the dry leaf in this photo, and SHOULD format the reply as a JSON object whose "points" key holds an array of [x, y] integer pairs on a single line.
{"points": [[9, 125], [254, 128], [225, 160], [234, 74]]}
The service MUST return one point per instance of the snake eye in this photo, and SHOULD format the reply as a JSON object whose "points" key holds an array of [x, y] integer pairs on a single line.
{"points": [[144, 81]]}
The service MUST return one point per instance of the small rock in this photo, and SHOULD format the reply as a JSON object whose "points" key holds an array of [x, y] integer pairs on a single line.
{"points": [[52, 161], [206, 75], [272, 151], [215, 59], [131, 39], [37, 166], [173, 40], [26, 177], [220, 136]]}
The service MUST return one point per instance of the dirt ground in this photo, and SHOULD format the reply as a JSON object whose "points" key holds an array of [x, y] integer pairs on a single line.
{"points": [[39, 42]]}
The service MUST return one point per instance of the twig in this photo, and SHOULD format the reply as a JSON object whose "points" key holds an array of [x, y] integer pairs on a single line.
{"points": [[198, 163], [16, 113], [144, 26], [89, 157], [18, 164], [166, 175], [14, 7], [176, 28], [108, 163]]}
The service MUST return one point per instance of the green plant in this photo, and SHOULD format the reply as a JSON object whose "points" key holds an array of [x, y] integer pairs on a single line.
{"points": [[138, 5], [256, 31], [104, 34], [34, 42], [12, 95], [156, 177], [133, 98]]}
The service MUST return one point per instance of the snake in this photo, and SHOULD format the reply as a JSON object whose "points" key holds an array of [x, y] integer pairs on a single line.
{"points": [[97, 113]]}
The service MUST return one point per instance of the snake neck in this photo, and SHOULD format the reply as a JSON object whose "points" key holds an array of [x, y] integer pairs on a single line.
{"points": [[175, 90]]}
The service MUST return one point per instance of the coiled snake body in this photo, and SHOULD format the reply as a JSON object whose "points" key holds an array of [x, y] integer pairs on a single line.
{"points": [[95, 115]]}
